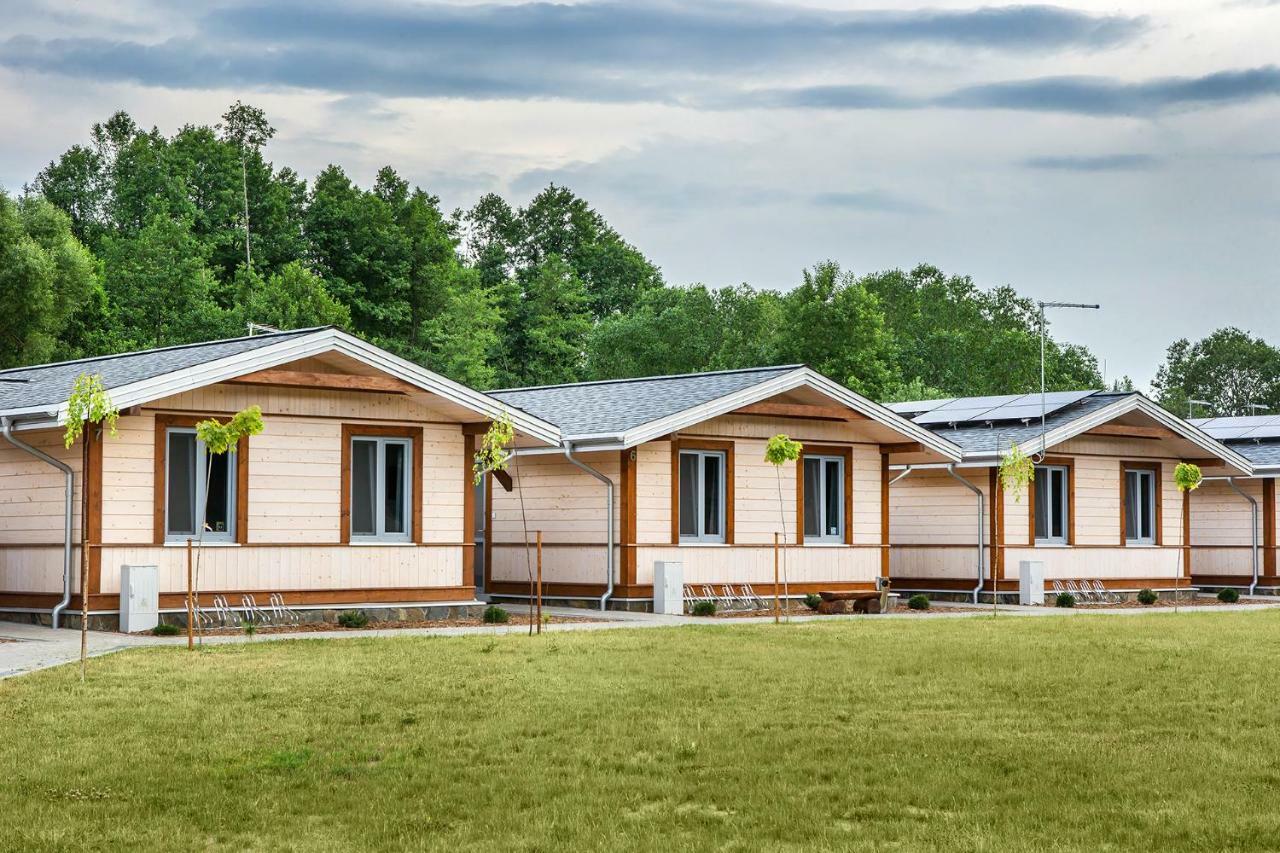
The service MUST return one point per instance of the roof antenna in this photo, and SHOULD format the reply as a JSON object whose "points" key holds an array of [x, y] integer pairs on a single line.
{"points": [[1044, 305], [1191, 403], [258, 327]]}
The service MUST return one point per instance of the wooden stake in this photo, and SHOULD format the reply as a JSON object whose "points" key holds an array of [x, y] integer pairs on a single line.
{"points": [[190, 608], [539, 581], [776, 608]]}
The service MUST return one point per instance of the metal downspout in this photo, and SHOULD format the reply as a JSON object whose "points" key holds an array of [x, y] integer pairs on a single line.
{"points": [[6, 429], [608, 535], [1231, 481], [982, 511]]}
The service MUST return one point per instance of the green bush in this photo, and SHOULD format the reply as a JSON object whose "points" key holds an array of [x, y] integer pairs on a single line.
{"points": [[704, 608], [1065, 599], [164, 629], [353, 619], [1147, 596], [495, 615], [812, 600], [1228, 596], [918, 602], [249, 628]]}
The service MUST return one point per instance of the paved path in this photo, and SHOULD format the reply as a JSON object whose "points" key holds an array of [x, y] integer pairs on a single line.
{"points": [[35, 647]]}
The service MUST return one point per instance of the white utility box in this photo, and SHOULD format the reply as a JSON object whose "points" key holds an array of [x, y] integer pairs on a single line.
{"points": [[1030, 582], [668, 588], [139, 598]]}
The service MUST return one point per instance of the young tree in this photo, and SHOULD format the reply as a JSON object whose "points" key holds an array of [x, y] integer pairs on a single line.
{"points": [[246, 127], [779, 451]]}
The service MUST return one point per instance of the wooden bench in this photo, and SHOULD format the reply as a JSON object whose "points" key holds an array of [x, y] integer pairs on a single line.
{"points": [[859, 601]]}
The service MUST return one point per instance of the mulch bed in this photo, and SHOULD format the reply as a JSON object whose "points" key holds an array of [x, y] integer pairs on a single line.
{"points": [[1163, 603], [318, 627]]}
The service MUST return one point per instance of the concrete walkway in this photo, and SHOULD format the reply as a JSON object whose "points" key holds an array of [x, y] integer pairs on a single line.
{"points": [[35, 647]]}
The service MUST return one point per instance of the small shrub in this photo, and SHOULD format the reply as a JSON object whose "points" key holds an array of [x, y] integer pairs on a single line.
{"points": [[164, 629], [1147, 596], [353, 619], [1228, 596], [704, 608], [495, 615], [812, 600], [1065, 599], [918, 602], [249, 628]]}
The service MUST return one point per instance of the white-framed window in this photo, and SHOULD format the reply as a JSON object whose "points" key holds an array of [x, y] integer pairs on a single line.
{"points": [[189, 470], [824, 499], [1052, 504], [702, 495], [381, 489], [1139, 506]]}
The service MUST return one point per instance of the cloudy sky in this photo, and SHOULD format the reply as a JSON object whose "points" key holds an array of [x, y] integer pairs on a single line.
{"points": [[1121, 153]]}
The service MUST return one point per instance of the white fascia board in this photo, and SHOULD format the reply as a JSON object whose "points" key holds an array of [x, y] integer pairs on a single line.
{"points": [[305, 346], [782, 383], [1141, 404]]}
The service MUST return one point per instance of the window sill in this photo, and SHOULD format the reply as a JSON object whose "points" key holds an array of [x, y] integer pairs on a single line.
{"points": [[808, 544], [1045, 545], [704, 545], [196, 544], [1141, 545], [370, 544]]}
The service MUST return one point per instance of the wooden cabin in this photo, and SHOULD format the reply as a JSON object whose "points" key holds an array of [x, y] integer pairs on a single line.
{"points": [[355, 494]]}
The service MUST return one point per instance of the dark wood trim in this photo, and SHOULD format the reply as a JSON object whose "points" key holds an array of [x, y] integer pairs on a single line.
{"points": [[1129, 431], [995, 536], [904, 584], [884, 514], [379, 384], [177, 600], [800, 410], [1269, 527], [903, 447], [488, 530], [370, 418], [627, 467], [1157, 469], [726, 447], [1186, 533], [468, 507], [476, 428], [92, 507], [350, 431], [1070, 464], [845, 453], [516, 589], [163, 422]]}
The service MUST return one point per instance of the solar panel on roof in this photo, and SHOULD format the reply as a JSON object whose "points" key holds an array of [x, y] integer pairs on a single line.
{"points": [[1227, 433], [1018, 413], [1271, 430], [949, 416], [918, 406], [981, 403]]}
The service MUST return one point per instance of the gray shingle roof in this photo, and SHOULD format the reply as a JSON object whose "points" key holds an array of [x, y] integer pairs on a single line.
{"points": [[977, 438], [1264, 454], [615, 406], [50, 384]]}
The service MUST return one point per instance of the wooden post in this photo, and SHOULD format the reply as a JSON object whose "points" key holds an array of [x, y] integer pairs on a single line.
{"points": [[776, 608], [190, 608], [539, 581]]}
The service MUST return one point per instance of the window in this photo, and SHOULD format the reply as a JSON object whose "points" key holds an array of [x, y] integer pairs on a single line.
{"points": [[824, 499], [1139, 506], [702, 495], [193, 475], [1052, 509], [381, 489]]}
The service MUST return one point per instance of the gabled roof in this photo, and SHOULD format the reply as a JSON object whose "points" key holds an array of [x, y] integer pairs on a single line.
{"points": [[1255, 437], [627, 412], [38, 394], [989, 440]]}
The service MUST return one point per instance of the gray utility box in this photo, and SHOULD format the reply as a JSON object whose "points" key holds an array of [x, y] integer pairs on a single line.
{"points": [[1030, 582], [668, 588], [139, 598]]}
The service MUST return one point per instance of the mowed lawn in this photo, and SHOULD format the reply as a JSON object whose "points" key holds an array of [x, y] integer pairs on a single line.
{"points": [[1157, 732]]}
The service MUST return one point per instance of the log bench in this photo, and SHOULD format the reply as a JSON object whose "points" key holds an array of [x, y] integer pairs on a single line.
{"points": [[860, 601]]}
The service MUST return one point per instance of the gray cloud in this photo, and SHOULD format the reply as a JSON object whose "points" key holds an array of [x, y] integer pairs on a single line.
{"points": [[1102, 163], [870, 201]]}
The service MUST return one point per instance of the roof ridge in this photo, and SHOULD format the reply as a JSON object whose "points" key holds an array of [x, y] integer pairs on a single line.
{"points": [[625, 380], [192, 345]]}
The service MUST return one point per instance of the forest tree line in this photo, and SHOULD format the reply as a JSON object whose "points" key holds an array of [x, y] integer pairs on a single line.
{"points": [[135, 239]]}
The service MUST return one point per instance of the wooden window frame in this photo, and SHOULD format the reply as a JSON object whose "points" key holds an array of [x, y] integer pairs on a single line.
{"points": [[844, 453], [725, 447], [415, 434], [160, 483], [1061, 462], [1157, 528]]}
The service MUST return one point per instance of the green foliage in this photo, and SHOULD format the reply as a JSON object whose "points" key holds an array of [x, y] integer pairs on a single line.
{"points": [[812, 600], [495, 615], [1227, 595], [492, 454], [90, 403], [781, 449], [293, 298], [1230, 369], [1064, 599], [219, 437], [1187, 477], [353, 619], [1147, 596], [166, 629], [248, 627], [704, 608], [918, 602], [1016, 471]]}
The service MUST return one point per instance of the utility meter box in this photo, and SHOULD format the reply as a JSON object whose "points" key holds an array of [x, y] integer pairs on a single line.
{"points": [[1030, 582], [139, 598], [668, 588]]}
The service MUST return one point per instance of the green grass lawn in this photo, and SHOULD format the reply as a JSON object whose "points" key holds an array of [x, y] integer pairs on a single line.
{"points": [[1158, 732]]}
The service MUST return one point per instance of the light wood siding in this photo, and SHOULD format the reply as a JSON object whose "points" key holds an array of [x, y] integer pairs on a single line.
{"points": [[297, 401], [1220, 529], [737, 564], [928, 507], [128, 481], [295, 481], [1102, 563], [32, 499]]}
